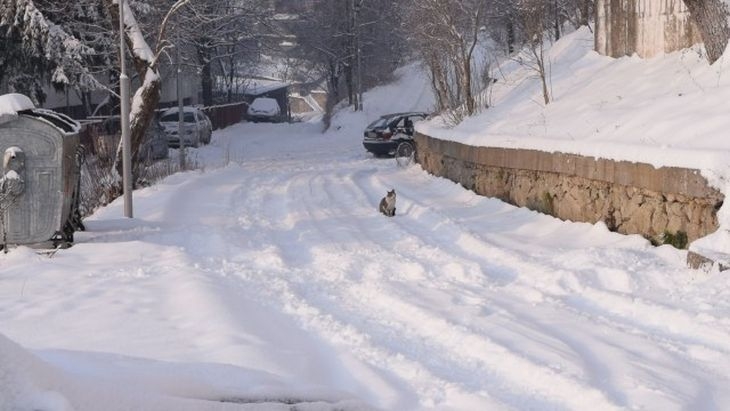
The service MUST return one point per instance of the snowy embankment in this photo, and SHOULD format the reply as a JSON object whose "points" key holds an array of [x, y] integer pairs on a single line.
{"points": [[272, 281], [665, 111]]}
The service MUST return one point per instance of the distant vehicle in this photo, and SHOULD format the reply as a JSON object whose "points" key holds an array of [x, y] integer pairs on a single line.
{"points": [[264, 109], [153, 147], [383, 136], [155, 143], [197, 128]]}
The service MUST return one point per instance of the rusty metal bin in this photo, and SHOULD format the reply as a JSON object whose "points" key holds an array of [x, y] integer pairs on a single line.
{"points": [[39, 185]]}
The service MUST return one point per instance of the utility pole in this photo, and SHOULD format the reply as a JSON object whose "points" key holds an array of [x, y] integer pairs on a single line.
{"points": [[180, 113], [358, 56], [124, 107]]}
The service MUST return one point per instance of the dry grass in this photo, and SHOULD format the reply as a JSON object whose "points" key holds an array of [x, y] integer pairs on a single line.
{"points": [[101, 184]]}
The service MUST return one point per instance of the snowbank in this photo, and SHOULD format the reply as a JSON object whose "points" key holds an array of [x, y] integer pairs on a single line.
{"points": [[665, 111], [25, 381]]}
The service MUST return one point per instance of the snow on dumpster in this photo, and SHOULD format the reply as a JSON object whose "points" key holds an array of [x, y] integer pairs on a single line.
{"points": [[39, 182]]}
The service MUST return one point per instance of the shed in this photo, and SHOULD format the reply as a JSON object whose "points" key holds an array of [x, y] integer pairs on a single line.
{"points": [[270, 88]]}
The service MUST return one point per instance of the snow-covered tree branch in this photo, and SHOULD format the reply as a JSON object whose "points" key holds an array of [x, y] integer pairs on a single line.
{"points": [[34, 49]]}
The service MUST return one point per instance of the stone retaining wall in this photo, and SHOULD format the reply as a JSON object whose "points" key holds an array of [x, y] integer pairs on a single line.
{"points": [[631, 198]]}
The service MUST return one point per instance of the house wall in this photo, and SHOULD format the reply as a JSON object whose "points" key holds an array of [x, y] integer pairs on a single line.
{"points": [[70, 103], [631, 198], [644, 27], [191, 87]]}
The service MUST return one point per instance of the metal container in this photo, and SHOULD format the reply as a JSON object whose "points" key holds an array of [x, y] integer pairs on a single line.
{"points": [[41, 149]]}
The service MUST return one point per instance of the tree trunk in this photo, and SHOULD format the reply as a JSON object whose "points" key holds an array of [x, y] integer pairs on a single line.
{"points": [[231, 76], [556, 19], [206, 78], [711, 19], [140, 116], [510, 36], [540, 56], [440, 83], [147, 96], [584, 11], [465, 80]]}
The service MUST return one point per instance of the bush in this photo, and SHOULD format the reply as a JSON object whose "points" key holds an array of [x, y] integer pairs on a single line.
{"points": [[100, 183], [677, 240]]}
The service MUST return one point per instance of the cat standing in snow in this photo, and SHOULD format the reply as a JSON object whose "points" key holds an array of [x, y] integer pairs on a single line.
{"points": [[387, 204]]}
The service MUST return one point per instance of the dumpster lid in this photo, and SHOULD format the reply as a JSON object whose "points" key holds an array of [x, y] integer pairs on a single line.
{"points": [[12, 105], [61, 122]]}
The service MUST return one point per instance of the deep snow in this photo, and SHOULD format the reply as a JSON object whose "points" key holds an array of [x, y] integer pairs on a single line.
{"points": [[274, 278], [269, 281]]}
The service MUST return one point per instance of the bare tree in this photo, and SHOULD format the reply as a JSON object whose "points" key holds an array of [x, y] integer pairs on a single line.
{"points": [[446, 33], [221, 34], [353, 44], [322, 38], [145, 61], [532, 17]]}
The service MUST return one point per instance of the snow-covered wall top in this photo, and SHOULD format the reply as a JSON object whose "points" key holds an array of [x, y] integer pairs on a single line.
{"points": [[644, 27]]}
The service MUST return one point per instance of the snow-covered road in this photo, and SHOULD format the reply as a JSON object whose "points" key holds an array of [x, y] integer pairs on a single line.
{"points": [[275, 278]]}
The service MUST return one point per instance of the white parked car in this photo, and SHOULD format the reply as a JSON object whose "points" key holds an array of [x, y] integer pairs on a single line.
{"points": [[264, 109], [197, 128]]}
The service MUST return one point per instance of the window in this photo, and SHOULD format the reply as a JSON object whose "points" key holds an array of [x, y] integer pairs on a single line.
{"points": [[188, 117]]}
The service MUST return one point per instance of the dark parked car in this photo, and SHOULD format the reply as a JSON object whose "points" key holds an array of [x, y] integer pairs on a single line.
{"points": [[154, 146], [383, 135]]}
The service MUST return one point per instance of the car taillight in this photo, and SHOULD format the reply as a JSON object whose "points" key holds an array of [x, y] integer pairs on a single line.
{"points": [[387, 135]]}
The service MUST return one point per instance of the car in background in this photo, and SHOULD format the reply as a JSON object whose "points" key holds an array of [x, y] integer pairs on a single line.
{"points": [[383, 136], [197, 128], [109, 130], [264, 109], [155, 145]]}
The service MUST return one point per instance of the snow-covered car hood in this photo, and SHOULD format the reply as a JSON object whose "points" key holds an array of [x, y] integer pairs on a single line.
{"points": [[264, 106]]}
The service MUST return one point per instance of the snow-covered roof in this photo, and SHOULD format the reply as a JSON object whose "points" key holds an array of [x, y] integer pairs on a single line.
{"points": [[257, 87]]}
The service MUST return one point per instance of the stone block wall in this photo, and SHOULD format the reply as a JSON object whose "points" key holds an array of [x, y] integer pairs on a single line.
{"points": [[631, 198]]}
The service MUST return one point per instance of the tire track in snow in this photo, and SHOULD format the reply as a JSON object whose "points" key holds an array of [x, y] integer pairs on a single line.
{"points": [[395, 307], [327, 297], [331, 198], [305, 290]]}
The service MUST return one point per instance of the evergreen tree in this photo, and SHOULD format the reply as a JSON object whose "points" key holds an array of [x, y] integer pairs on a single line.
{"points": [[35, 50]]}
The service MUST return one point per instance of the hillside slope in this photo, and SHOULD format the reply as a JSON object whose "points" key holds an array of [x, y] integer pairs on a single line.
{"points": [[666, 111]]}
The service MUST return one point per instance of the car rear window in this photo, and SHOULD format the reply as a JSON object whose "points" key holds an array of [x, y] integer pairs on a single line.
{"points": [[187, 117], [381, 122]]}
